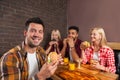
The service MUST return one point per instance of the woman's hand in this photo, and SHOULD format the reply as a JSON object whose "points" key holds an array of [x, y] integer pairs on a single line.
{"points": [[84, 45], [96, 64], [52, 43]]}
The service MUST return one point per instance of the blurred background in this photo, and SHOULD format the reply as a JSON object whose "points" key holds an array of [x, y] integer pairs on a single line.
{"points": [[57, 14]]}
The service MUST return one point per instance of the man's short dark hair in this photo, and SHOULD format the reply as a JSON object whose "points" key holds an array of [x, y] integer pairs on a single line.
{"points": [[34, 20], [74, 27]]}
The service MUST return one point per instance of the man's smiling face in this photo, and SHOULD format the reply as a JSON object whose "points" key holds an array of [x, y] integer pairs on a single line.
{"points": [[34, 35]]}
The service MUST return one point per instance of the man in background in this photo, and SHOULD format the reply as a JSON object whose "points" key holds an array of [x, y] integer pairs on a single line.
{"points": [[71, 44]]}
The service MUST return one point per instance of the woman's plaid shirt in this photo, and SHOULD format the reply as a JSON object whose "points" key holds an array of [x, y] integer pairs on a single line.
{"points": [[106, 57]]}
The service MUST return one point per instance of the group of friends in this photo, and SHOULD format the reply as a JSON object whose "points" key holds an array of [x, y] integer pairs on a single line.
{"points": [[27, 61]]}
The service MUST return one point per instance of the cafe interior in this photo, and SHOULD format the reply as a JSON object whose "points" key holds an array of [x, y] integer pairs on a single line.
{"points": [[60, 14]]}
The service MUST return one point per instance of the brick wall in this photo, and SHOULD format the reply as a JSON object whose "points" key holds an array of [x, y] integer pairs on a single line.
{"points": [[14, 13]]}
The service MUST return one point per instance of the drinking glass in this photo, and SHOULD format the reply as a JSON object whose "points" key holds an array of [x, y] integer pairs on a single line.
{"points": [[71, 66], [66, 60], [79, 63]]}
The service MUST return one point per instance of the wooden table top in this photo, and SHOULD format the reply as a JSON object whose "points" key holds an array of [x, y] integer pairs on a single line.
{"points": [[85, 72]]}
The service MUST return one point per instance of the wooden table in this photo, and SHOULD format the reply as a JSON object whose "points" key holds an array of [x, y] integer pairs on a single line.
{"points": [[85, 72]]}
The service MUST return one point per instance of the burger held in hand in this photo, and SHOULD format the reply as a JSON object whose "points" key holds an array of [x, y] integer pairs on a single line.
{"points": [[85, 45], [53, 56]]}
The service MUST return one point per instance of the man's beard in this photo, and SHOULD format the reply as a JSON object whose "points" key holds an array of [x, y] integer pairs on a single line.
{"points": [[31, 45]]}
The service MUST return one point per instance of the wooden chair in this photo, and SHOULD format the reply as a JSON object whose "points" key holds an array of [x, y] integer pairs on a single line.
{"points": [[114, 45], [116, 48]]}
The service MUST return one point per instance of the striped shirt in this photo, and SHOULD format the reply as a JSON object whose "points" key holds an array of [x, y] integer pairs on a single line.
{"points": [[14, 65]]}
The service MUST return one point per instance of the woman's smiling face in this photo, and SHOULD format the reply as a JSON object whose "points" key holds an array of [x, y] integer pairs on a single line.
{"points": [[95, 36]]}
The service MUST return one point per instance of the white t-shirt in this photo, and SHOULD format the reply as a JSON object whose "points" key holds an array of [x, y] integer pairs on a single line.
{"points": [[33, 64], [95, 56]]}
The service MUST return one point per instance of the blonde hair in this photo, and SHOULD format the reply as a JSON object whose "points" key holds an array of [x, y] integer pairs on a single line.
{"points": [[101, 31], [56, 31]]}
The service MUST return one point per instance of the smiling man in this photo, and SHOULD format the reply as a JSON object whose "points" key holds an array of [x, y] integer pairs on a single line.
{"points": [[71, 44], [28, 60]]}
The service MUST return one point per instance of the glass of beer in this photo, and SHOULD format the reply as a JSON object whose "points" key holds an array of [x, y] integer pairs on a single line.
{"points": [[66, 60], [71, 66]]}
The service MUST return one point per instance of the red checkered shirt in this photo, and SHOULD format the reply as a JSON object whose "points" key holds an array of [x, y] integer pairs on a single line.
{"points": [[106, 57]]}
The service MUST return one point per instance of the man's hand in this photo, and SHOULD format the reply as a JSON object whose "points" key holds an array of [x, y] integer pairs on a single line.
{"points": [[47, 70], [71, 42], [60, 59]]}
